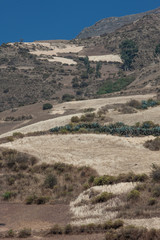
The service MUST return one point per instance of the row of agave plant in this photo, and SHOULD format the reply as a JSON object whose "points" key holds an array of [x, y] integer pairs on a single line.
{"points": [[119, 128]]}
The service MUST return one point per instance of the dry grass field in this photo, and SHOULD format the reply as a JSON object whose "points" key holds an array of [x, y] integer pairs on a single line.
{"points": [[106, 154], [62, 114]]}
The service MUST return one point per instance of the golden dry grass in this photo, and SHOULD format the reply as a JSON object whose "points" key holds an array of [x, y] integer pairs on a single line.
{"points": [[105, 153]]}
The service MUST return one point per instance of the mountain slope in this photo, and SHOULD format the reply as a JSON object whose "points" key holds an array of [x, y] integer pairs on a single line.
{"points": [[109, 25]]}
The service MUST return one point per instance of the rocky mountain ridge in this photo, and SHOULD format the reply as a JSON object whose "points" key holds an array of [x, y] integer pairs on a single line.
{"points": [[109, 25]]}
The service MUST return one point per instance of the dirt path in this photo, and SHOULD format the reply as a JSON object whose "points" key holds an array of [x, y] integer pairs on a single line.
{"points": [[105, 153]]}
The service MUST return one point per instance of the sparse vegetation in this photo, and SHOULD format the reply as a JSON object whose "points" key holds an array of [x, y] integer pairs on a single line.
{"points": [[38, 184], [19, 118], [134, 233], [24, 233]]}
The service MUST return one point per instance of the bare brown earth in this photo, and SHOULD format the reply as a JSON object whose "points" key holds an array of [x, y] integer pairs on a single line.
{"points": [[37, 217]]}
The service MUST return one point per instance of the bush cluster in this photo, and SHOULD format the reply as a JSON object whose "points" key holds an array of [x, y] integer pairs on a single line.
{"points": [[89, 228], [144, 104], [145, 129], [130, 177], [153, 145], [88, 117]]}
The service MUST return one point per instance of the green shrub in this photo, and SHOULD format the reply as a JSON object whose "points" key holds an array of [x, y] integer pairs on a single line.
{"points": [[56, 229], [50, 181], [75, 119], [116, 224], [60, 167], [133, 195], [31, 199], [103, 197], [47, 106], [156, 191], [10, 139], [152, 201], [68, 229], [88, 117], [134, 103], [67, 97], [153, 145], [155, 174], [41, 200], [24, 233], [7, 195], [104, 180], [18, 135]]}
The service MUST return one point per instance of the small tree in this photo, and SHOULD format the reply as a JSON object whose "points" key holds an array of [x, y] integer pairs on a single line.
{"points": [[128, 52]]}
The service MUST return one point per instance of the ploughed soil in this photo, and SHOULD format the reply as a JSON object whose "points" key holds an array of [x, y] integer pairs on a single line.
{"points": [[18, 216], [37, 217]]}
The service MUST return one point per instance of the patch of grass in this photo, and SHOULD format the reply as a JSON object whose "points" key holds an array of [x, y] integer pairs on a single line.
{"points": [[110, 86]]}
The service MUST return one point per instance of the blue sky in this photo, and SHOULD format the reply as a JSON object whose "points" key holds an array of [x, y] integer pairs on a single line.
{"points": [[60, 19]]}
